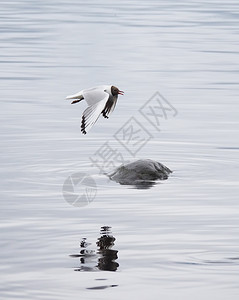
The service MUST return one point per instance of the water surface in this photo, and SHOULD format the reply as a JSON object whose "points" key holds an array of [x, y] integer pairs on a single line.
{"points": [[176, 239]]}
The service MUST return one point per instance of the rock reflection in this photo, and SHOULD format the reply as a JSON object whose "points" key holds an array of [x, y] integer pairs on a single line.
{"points": [[104, 258], [144, 185]]}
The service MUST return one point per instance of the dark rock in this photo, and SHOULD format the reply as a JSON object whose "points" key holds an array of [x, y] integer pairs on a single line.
{"points": [[142, 172]]}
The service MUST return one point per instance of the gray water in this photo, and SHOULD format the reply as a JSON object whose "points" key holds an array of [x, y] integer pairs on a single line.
{"points": [[175, 240]]}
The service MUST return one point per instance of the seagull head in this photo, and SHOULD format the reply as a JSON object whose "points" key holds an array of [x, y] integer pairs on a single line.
{"points": [[115, 91]]}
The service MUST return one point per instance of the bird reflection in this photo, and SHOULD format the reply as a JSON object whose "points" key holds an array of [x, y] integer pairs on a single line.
{"points": [[107, 256], [104, 258]]}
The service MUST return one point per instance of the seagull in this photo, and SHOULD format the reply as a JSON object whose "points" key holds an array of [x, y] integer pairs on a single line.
{"points": [[100, 99]]}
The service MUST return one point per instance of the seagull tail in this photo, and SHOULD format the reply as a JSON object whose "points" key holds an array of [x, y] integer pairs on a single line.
{"points": [[77, 96]]}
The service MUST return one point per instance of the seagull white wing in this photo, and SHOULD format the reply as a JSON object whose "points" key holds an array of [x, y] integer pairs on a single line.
{"points": [[94, 95], [92, 113]]}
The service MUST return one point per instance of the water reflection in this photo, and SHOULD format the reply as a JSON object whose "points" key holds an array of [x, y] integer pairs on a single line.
{"points": [[144, 185], [107, 256], [104, 258]]}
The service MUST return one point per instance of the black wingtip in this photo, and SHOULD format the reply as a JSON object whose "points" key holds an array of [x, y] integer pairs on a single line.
{"points": [[83, 125]]}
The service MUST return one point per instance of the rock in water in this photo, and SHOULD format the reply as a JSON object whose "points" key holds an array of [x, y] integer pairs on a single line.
{"points": [[140, 172]]}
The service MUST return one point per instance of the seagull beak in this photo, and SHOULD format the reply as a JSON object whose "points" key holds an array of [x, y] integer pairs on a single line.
{"points": [[121, 92]]}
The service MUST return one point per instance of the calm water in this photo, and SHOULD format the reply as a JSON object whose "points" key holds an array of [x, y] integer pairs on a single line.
{"points": [[177, 239]]}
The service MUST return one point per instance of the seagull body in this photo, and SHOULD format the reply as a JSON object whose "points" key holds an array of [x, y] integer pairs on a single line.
{"points": [[101, 100]]}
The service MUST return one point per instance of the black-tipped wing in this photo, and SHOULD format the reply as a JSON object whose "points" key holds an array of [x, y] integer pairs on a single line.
{"points": [[109, 107], [91, 115]]}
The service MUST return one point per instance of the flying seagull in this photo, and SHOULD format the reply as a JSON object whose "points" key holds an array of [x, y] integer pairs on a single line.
{"points": [[100, 99]]}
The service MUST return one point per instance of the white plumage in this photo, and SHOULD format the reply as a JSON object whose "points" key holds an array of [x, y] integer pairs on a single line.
{"points": [[100, 99]]}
